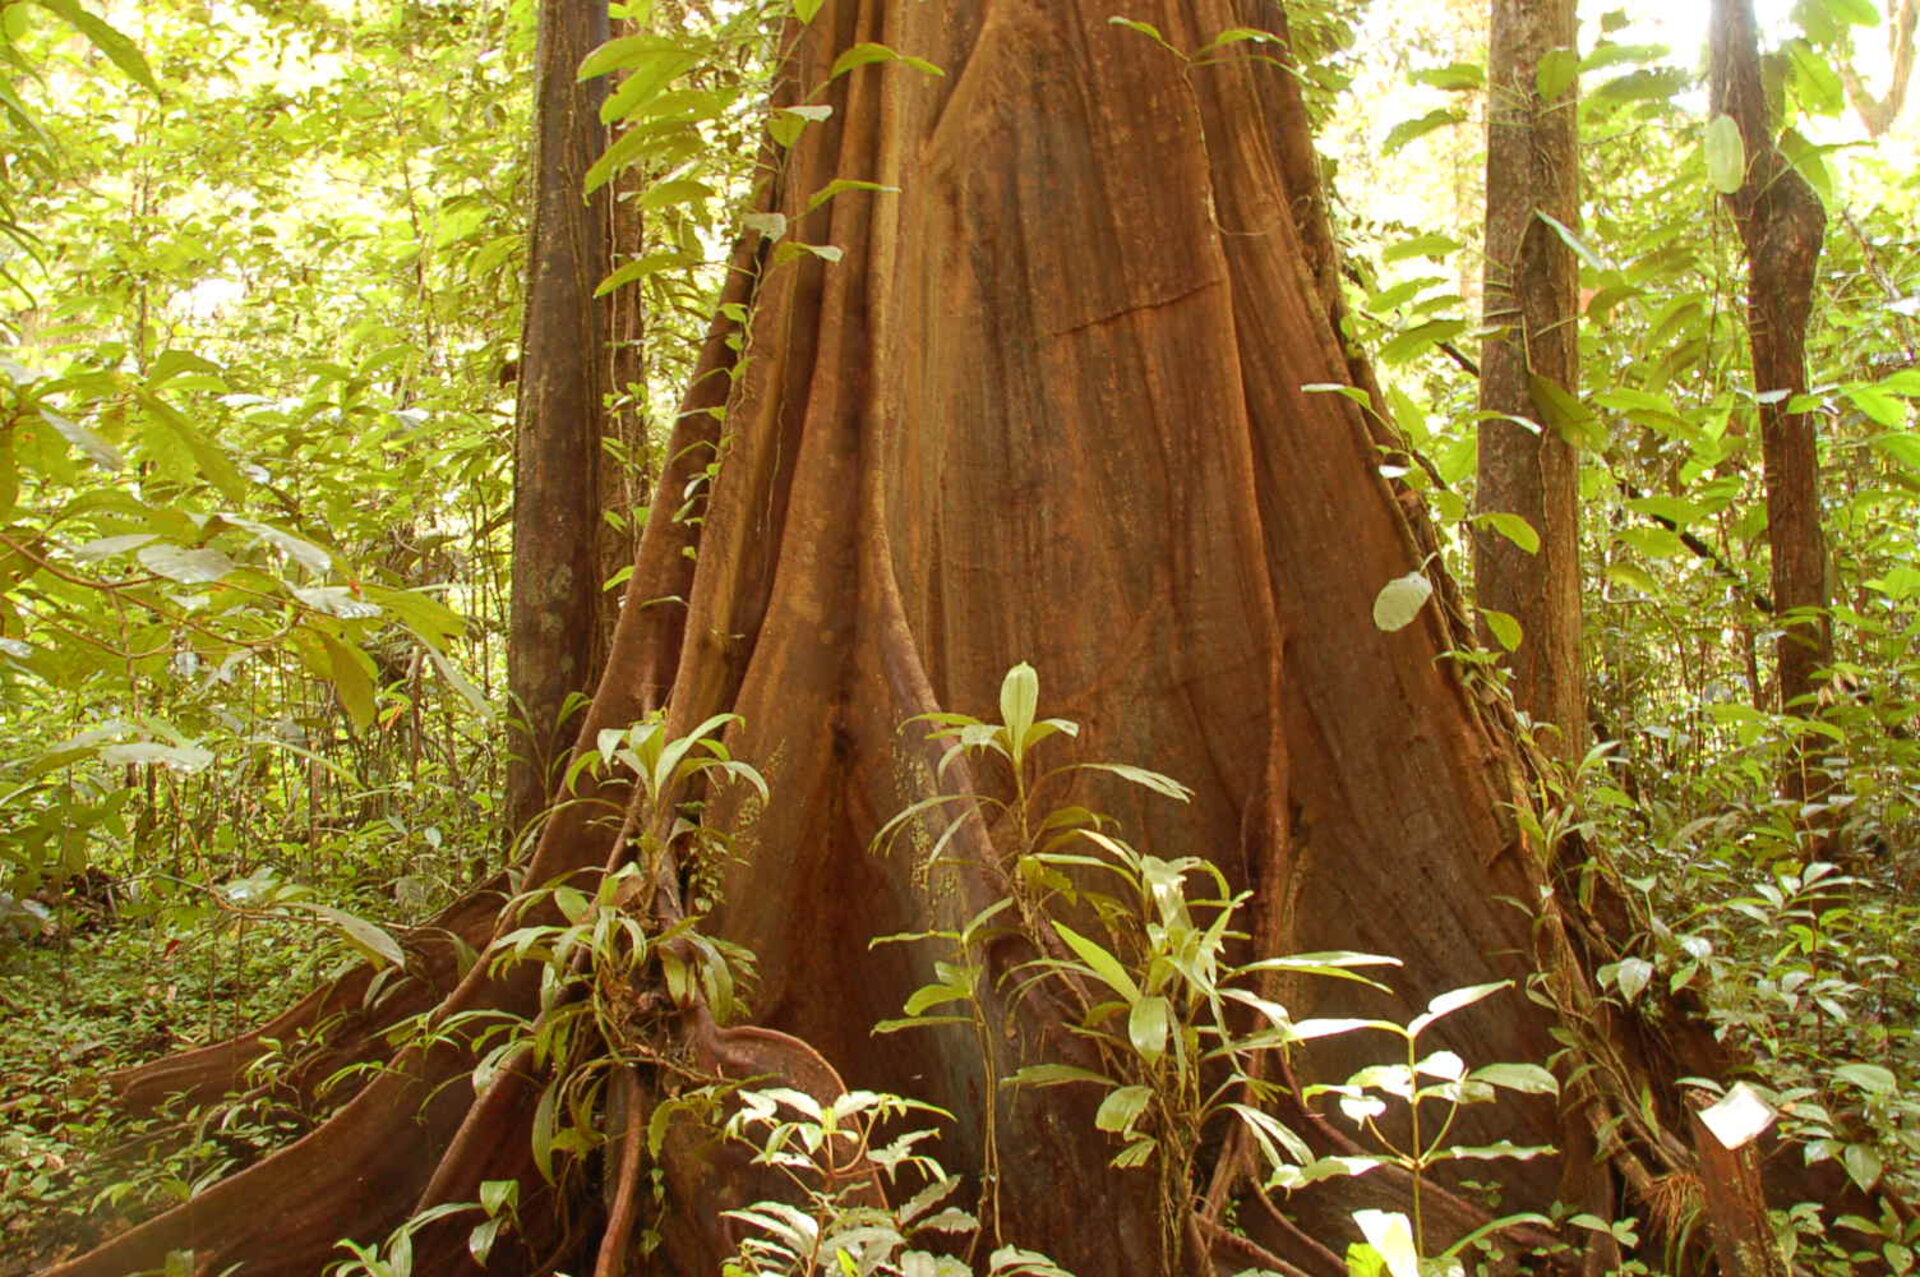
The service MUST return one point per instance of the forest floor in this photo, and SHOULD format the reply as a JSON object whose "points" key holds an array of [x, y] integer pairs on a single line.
{"points": [[74, 1008]]}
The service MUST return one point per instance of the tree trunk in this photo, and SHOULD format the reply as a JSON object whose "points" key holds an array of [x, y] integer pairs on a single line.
{"points": [[552, 626], [1879, 113], [626, 457], [1781, 224], [1531, 360], [1046, 404]]}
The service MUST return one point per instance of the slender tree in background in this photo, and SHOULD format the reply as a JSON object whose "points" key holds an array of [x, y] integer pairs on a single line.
{"points": [[1879, 113], [553, 622], [1040, 390], [1781, 225], [1529, 465], [626, 460]]}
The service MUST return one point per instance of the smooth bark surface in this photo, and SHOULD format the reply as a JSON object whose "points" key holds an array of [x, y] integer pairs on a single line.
{"points": [[1532, 305], [1781, 224], [1048, 403], [553, 629], [1879, 113]]}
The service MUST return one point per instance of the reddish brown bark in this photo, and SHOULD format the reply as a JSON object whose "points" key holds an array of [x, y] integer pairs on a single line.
{"points": [[1532, 308], [1736, 1207], [553, 629], [1781, 224], [1047, 405]]}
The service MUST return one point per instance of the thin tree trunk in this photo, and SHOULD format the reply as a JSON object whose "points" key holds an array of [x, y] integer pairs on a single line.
{"points": [[557, 430], [1532, 306], [1781, 224], [626, 459], [1879, 113]]}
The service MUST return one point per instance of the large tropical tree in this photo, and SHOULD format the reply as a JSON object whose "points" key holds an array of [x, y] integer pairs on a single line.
{"points": [[1034, 354]]}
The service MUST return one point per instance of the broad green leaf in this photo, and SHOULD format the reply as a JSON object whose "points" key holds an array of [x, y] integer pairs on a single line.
{"points": [[1055, 1075], [841, 185], [1556, 73], [1505, 628], [1528, 1079], [806, 9], [107, 547], [1241, 35], [1146, 29], [651, 264], [352, 674], [1570, 419], [786, 123], [1147, 1026], [1513, 527], [1904, 448], [1571, 239], [183, 758], [369, 938], [1330, 1026], [1102, 963], [427, 618], [1864, 1165], [338, 600], [648, 73], [461, 684], [189, 567], [1019, 703], [1418, 340], [677, 191], [1499, 1148], [1456, 77], [305, 553], [1632, 976], [1140, 776], [1122, 1108], [209, 458], [1431, 245], [1400, 600], [1392, 1238], [1871, 1078], [120, 50], [1453, 1000], [480, 1240], [1408, 130], [1726, 155], [1879, 407], [868, 53], [543, 1129], [793, 248], [933, 995], [98, 450], [628, 51]]}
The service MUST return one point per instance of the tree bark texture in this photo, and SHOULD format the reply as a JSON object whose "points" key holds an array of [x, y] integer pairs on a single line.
{"points": [[1781, 224], [626, 457], [553, 632], [1532, 305], [1047, 404]]}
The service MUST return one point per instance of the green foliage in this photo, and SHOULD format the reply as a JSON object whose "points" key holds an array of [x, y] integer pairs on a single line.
{"points": [[827, 1152]]}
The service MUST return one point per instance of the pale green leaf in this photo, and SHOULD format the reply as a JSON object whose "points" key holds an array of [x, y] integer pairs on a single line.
{"points": [[1122, 1108], [1400, 600], [1103, 964], [202, 566], [1726, 155]]}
